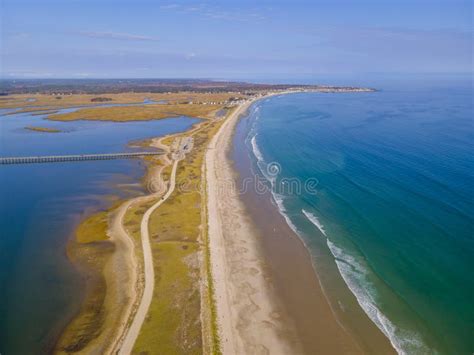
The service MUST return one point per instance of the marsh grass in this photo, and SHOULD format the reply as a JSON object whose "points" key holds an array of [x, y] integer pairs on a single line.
{"points": [[137, 113], [93, 228], [46, 101], [90, 251], [178, 230], [42, 129]]}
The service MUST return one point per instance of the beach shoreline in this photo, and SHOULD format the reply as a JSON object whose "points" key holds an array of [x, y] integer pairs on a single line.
{"points": [[249, 318], [254, 312], [289, 287]]}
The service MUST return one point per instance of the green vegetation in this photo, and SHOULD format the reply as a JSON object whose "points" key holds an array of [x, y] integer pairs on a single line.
{"points": [[49, 101], [166, 223], [178, 232], [36, 111], [90, 251], [166, 172], [45, 111], [182, 317], [131, 222], [173, 324], [43, 129], [214, 345], [101, 99], [137, 113], [93, 229]]}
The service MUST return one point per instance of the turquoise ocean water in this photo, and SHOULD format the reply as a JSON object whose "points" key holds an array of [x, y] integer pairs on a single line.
{"points": [[393, 201]]}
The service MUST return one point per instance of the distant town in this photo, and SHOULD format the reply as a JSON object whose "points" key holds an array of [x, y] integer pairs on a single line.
{"points": [[65, 87]]}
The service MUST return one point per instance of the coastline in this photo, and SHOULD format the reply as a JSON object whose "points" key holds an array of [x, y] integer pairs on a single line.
{"points": [[118, 266], [284, 283], [111, 272], [254, 313], [249, 317], [330, 268]]}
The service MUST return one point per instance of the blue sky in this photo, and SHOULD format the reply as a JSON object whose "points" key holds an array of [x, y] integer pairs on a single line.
{"points": [[233, 39]]}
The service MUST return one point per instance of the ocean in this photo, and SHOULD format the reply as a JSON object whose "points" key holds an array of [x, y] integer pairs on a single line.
{"points": [[381, 184], [41, 204]]}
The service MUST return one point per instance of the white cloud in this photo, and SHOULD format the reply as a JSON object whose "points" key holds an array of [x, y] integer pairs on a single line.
{"points": [[169, 6], [117, 36], [216, 13], [19, 35], [29, 74]]}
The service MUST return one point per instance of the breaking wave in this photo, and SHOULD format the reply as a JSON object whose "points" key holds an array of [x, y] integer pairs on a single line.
{"points": [[356, 276]]}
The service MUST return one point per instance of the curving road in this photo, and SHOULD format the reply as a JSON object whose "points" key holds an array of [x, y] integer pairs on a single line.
{"points": [[149, 273]]}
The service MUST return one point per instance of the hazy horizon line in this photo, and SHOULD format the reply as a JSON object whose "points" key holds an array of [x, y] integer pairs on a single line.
{"points": [[234, 78]]}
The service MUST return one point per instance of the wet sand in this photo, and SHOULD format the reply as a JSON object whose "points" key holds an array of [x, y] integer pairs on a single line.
{"points": [[292, 278], [248, 318]]}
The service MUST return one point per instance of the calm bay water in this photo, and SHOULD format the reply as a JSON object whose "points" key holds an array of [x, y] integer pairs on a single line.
{"points": [[40, 204], [394, 201]]}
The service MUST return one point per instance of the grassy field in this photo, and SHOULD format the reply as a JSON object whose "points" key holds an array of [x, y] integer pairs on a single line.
{"points": [[138, 113], [43, 129]]}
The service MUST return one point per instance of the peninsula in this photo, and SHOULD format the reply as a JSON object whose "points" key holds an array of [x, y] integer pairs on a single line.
{"points": [[180, 268]]}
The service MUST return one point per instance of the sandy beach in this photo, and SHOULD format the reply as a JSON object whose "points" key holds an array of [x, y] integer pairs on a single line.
{"points": [[250, 320], [236, 178], [267, 294], [268, 297]]}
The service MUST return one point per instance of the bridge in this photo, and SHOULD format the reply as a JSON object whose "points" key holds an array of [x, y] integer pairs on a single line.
{"points": [[81, 157]]}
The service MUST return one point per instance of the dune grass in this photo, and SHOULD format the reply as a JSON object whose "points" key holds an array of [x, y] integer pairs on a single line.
{"points": [[173, 325], [179, 245]]}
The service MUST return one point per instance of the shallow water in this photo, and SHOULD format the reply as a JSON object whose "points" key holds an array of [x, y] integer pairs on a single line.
{"points": [[40, 206], [393, 199]]}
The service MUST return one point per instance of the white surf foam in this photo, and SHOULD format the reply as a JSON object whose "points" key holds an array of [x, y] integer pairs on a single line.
{"points": [[278, 198], [313, 219], [355, 275], [256, 149], [261, 164]]}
